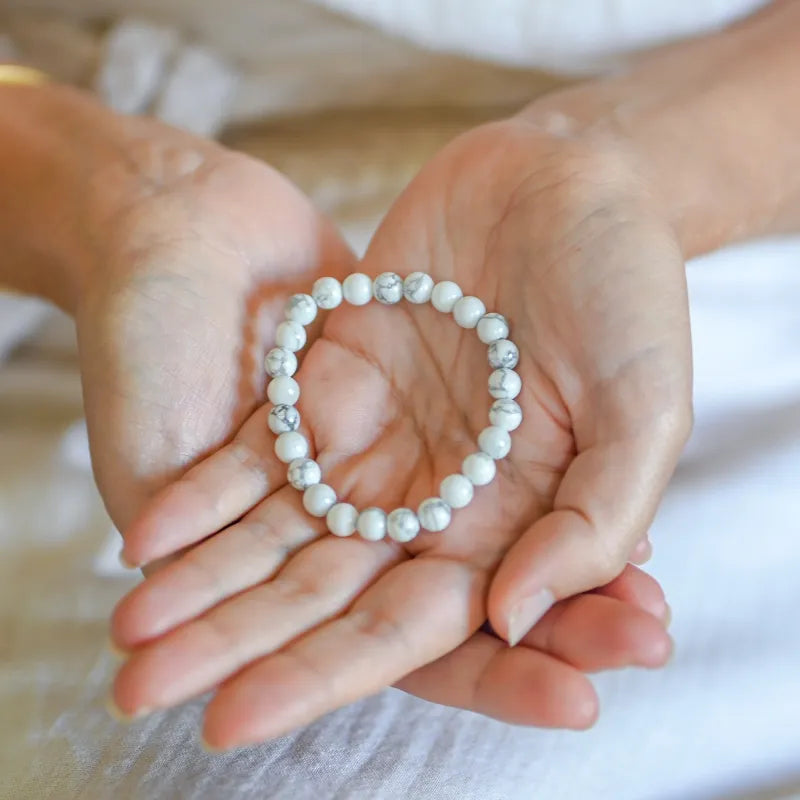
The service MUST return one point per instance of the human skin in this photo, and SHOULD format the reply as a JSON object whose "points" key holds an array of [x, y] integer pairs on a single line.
{"points": [[176, 257], [573, 218]]}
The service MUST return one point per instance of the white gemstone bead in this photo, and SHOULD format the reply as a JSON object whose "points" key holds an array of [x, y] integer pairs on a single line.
{"points": [[289, 446], [468, 310], [503, 354], [456, 491], [434, 514], [417, 287], [301, 308], [388, 288], [280, 361], [372, 524], [504, 384], [494, 441], [341, 519], [291, 335], [444, 296], [318, 499], [357, 289], [283, 390], [303, 472], [402, 525], [479, 468], [283, 418], [492, 327], [327, 293], [505, 414]]}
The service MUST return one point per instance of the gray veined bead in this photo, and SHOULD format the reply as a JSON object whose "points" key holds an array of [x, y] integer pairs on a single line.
{"points": [[303, 472], [505, 414], [434, 514], [417, 287], [291, 335], [503, 354], [301, 308], [504, 384], [327, 293], [492, 327], [402, 525], [283, 418], [280, 361], [388, 288]]}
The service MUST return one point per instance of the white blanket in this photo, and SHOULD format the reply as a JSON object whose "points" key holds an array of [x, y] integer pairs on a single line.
{"points": [[723, 720]]}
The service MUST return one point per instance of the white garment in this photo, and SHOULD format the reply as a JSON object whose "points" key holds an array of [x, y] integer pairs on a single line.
{"points": [[576, 36]]}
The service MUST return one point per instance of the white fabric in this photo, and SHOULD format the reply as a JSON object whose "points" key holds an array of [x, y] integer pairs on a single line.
{"points": [[720, 721], [571, 36]]}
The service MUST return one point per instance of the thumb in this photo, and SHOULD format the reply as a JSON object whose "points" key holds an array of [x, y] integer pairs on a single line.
{"points": [[603, 507]]}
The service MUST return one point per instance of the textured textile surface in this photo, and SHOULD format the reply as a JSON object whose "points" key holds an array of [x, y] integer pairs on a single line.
{"points": [[720, 721]]}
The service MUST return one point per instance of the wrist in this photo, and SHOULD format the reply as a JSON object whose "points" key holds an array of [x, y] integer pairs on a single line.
{"points": [[719, 173], [70, 167]]}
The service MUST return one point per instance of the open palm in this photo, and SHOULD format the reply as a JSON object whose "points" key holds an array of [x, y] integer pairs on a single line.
{"points": [[296, 622]]}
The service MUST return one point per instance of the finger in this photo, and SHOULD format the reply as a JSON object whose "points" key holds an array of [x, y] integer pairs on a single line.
{"points": [[592, 632], [642, 551], [209, 496], [319, 582], [603, 506], [518, 685], [588, 633], [414, 614], [637, 588], [248, 553]]}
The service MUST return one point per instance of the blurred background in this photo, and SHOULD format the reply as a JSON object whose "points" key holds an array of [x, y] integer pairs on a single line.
{"points": [[349, 108]]}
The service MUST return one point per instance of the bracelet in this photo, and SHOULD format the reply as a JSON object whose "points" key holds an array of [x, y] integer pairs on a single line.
{"points": [[455, 491], [20, 75]]}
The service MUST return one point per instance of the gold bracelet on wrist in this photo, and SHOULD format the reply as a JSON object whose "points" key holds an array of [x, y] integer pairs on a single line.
{"points": [[20, 75]]}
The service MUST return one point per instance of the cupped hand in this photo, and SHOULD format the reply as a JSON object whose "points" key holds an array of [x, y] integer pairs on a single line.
{"points": [[567, 243], [192, 275]]}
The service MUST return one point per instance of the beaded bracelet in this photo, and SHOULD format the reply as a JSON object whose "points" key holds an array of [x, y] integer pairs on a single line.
{"points": [[455, 491]]}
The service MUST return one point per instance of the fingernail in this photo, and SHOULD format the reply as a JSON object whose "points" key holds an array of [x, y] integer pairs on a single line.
{"points": [[668, 616], [527, 612], [116, 651], [121, 716], [124, 561]]}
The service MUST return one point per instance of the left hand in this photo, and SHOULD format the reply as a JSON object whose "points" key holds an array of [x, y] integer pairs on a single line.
{"points": [[568, 245]]}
